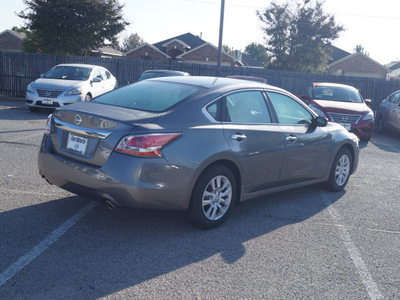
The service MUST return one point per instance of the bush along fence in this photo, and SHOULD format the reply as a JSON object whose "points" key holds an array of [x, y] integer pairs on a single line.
{"points": [[18, 69]]}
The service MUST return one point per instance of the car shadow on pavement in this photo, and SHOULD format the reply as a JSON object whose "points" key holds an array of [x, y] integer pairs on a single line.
{"points": [[388, 142], [8, 112], [109, 251]]}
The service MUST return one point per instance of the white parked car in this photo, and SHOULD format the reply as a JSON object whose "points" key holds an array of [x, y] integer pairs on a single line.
{"points": [[68, 83]]}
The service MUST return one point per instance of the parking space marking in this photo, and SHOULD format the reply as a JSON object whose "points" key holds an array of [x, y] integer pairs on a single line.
{"points": [[366, 277], [25, 260]]}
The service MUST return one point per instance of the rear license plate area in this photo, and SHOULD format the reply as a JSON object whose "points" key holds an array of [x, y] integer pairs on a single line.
{"points": [[77, 143]]}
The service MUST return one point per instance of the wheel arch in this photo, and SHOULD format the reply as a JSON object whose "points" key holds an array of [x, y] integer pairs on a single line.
{"points": [[233, 168]]}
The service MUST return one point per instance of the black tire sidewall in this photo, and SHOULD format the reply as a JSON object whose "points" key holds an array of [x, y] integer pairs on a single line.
{"points": [[331, 183], [380, 126], [195, 212]]}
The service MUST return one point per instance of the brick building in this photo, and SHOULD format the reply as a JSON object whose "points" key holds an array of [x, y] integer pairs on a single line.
{"points": [[11, 40], [186, 48], [358, 64]]}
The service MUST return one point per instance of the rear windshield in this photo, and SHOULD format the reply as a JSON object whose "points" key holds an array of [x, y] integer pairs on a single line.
{"points": [[152, 96], [336, 94]]}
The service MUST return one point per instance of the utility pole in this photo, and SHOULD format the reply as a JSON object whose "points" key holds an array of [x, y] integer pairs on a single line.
{"points": [[221, 27]]}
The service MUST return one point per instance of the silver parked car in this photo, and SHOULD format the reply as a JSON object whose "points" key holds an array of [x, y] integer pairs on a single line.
{"points": [[199, 144], [388, 114], [68, 83]]}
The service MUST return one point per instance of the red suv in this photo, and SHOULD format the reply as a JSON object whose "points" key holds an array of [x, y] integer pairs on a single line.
{"points": [[341, 104]]}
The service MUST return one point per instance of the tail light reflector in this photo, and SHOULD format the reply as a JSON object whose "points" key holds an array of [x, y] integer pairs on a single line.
{"points": [[48, 124], [145, 145]]}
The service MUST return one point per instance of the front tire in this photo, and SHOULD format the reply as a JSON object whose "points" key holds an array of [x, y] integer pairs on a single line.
{"points": [[340, 171], [380, 126], [88, 97], [213, 197]]}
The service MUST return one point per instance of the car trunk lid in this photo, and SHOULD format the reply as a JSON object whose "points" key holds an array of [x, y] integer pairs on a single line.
{"points": [[89, 132]]}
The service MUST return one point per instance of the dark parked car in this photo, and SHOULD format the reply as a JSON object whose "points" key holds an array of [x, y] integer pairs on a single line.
{"points": [[199, 144], [160, 73], [342, 104], [388, 114]]}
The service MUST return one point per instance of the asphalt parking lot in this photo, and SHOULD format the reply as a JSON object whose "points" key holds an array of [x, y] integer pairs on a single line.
{"points": [[301, 244]]}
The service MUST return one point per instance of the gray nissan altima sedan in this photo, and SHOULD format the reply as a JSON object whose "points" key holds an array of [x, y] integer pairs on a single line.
{"points": [[199, 144]]}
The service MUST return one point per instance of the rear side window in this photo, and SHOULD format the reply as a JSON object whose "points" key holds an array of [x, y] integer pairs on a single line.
{"points": [[148, 95]]}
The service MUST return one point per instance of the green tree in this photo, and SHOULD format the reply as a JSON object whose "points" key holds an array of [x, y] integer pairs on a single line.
{"points": [[298, 36], [131, 42], [360, 49], [69, 26], [229, 50], [258, 52]]}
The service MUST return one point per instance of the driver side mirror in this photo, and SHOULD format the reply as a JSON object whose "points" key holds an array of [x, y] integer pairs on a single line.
{"points": [[96, 79], [320, 121], [368, 102]]}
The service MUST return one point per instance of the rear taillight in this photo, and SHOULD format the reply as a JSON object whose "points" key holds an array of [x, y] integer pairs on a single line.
{"points": [[145, 145], [48, 124]]}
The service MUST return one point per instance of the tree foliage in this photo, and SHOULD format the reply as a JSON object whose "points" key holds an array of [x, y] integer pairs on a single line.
{"points": [[258, 52], [130, 42], [360, 49], [69, 26], [298, 36], [229, 50]]}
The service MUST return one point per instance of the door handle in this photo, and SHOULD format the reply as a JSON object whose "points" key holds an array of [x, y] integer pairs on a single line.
{"points": [[291, 138], [238, 137]]}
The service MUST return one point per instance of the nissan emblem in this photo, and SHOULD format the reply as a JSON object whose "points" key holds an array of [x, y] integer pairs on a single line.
{"points": [[78, 119]]}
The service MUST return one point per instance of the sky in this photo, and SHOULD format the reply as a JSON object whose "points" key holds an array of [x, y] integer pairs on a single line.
{"points": [[372, 24]]}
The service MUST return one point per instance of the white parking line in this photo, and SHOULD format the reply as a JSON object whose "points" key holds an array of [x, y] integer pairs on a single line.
{"points": [[366, 277], [25, 260]]}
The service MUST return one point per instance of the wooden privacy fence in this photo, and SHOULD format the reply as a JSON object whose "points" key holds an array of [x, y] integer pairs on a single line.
{"points": [[18, 69]]}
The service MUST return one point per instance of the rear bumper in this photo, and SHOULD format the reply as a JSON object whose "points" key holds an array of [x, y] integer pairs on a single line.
{"points": [[123, 180]]}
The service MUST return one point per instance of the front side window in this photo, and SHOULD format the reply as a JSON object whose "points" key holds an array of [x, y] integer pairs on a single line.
{"points": [[289, 111], [97, 74], [247, 107]]}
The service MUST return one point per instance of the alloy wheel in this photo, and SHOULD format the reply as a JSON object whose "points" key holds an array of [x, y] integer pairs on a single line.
{"points": [[217, 197]]}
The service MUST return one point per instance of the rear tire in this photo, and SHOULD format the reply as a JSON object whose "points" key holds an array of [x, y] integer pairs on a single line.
{"points": [[213, 197], [340, 171]]}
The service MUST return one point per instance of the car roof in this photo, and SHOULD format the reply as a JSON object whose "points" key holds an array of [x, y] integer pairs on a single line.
{"points": [[333, 85], [217, 82], [78, 65], [245, 77], [166, 72]]}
